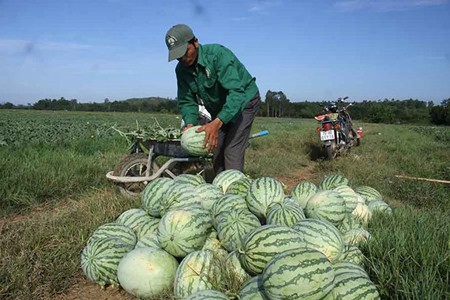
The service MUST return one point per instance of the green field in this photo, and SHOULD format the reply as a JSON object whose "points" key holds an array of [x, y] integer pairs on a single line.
{"points": [[54, 193]]}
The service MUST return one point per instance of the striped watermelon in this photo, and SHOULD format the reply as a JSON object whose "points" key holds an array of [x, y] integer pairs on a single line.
{"points": [[100, 258], [253, 289], [356, 236], [350, 222], [322, 236], [215, 246], [353, 254], [198, 271], [227, 203], [368, 193], [326, 205], [332, 181], [184, 230], [263, 243], [286, 213], [233, 225], [207, 295], [344, 267], [227, 177], [192, 179], [208, 194], [240, 186], [349, 195], [148, 240], [303, 191], [178, 195], [350, 286], [147, 272], [148, 227], [192, 141], [298, 274], [134, 218], [262, 192], [114, 230], [153, 194], [379, 206]]}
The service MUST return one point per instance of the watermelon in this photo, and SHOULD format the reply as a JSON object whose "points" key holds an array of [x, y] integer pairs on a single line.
{"points": [[302, 192], [332, 181], [192, 179], [349, 195], [253, 289], [207, 295], [262, 192], [356, 236], [379, 206], [227, 177], [192, 141], [148, 240], [353, 254], [362, 214], [235, 272], [300, 273], [350, 222], [286, 213], [227, 203], [184, 230], [198, 271], [208, 194], [114, 230], [350, 286], [239, 187], [261, 244], [322, 236], [153, 194], [147, 272], [233, 225], [326, 205], [178, 195], [368, 193], [134, 218], [100, 259], [343, 267]]}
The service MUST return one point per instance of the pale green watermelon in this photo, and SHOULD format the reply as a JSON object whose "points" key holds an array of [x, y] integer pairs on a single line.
{"points": [[286, 213], [332, 181], [207, 295], [352, 286], [240, 186], [179, 195], [114, 230], [227, 177], [368, 193], [349, 195], [134, 218], [147, 272], [192, 141], [379, 206], [208, 194], [253, 289], [192, 179]]}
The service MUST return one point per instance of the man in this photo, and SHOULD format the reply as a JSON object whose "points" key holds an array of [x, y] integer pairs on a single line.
{"points": [[211, 75]]}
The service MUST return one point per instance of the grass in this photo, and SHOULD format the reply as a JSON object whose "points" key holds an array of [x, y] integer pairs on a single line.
{"points": [[54, 195]]}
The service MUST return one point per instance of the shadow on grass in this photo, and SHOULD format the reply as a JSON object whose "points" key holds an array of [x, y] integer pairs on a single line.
{"points": [[316, 152]]}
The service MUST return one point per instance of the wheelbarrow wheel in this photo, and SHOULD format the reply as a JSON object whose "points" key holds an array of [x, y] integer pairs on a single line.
{"points": [[133, 165]]}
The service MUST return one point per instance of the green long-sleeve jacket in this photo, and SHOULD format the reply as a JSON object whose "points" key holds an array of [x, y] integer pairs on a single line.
{"points": [[220, 80]]}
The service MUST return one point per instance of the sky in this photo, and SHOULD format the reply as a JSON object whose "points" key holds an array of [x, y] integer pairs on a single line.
{"points": [[312, 50]]}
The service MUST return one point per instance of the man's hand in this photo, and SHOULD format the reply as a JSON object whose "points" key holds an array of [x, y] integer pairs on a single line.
{"points": [[212, 134]]}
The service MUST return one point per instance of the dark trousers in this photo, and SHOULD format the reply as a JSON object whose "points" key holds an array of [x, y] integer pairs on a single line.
{"points": [[233, 139]]}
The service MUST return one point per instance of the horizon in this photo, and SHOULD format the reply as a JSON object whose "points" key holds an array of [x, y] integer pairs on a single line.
{"points": [[312, 51]]}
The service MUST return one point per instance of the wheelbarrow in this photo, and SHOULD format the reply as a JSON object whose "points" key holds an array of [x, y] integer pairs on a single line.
{"points": [[150, 159]]}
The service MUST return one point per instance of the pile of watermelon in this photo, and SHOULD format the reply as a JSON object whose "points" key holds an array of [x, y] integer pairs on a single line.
{"points": [[239, 238]]}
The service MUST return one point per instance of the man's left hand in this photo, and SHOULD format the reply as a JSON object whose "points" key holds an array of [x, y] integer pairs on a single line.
{"points": [[212, 134]]}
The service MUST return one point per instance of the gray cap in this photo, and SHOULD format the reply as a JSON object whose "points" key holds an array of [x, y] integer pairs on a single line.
{"points": [[177, 39]]}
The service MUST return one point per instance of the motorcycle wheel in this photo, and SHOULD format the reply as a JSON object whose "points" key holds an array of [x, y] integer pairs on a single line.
{"points": [[331, 151]]}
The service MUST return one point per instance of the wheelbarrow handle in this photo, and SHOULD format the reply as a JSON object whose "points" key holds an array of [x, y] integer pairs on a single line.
{"points": [[258, 134]]}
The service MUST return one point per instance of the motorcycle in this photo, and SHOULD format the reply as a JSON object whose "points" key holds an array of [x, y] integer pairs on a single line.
{"points": [[336, 129]]}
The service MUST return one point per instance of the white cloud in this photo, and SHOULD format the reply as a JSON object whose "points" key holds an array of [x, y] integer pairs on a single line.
{"points": [[385, 5], [263, 7]]}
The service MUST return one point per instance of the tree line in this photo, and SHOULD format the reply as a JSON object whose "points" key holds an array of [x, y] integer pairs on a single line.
{"points": [[275, 104]]}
